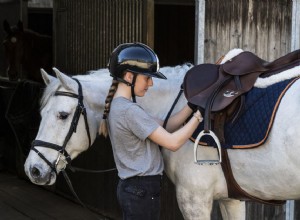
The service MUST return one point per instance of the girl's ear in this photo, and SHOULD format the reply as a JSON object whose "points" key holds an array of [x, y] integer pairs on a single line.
{"points": [[128, 76]]}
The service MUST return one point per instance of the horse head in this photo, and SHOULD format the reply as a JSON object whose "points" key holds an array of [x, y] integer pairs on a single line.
{"points": [[68, 127], [26, 52], [13, 49]]}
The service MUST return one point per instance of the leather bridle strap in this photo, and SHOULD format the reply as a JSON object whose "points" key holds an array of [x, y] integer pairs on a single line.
{"points": [[80, 109], [171, 110], [172, 107], [45, 159], [51, 146]]}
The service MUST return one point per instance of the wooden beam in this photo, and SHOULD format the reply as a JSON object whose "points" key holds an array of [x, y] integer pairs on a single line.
{"points": [[295, 44], [295, 36], [199, 31]]}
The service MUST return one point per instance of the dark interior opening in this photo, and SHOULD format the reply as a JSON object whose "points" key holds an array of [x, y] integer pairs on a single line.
{"points": [[174, 34]]}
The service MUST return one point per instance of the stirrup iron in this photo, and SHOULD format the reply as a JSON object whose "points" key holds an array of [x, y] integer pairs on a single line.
{"points": [[216, 139]]}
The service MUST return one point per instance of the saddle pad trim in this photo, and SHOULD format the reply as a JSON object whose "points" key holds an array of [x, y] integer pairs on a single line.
{"points": [[248, 146]]}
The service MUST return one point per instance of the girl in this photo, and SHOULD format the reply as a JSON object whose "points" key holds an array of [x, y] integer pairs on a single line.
{"points": [[135, 135]]}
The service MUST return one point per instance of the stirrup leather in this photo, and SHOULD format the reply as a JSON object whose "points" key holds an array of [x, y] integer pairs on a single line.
{"points": [[196, 145]]}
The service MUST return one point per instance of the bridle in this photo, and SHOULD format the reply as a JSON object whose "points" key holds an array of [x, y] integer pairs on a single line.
{"points": [[63, 155]]}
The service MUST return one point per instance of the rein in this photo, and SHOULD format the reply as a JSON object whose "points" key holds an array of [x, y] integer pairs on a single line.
{"points": [[172, 107]]}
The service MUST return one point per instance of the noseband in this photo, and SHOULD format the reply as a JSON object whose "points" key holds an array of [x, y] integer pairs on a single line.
{"points": [[80, 109]]}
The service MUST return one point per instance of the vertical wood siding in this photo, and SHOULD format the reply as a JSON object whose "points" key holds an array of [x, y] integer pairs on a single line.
{"points": [[86, 31], [262, 27]]}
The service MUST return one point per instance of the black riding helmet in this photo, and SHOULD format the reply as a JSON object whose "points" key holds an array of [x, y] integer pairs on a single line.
{"points": [[137, 58]]}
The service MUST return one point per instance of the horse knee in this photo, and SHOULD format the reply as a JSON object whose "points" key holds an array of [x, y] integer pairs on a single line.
{"points": [[232, 209], [194, 205]]}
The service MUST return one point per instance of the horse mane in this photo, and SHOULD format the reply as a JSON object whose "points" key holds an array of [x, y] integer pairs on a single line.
{"points": [[174, 75], [92, 76], [48, 92]]}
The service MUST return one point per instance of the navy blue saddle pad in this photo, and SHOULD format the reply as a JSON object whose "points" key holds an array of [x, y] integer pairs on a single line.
{"points": [[252, 127]]}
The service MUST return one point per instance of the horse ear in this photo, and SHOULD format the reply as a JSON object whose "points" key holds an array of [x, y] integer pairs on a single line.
{"points": [[65, 80], [20, 25], [46, 77], [6, 27]]}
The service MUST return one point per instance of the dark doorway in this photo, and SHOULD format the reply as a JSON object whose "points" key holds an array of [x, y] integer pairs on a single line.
{"points": [[40, 20], [174, 34]]}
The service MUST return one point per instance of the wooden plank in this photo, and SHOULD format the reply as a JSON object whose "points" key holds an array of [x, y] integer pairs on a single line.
{"points": [[262, 27], [295, 38], [200, 31], [20, 199]]}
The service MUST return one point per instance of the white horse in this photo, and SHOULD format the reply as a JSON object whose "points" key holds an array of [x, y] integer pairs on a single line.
{"points": [[269, 172]]}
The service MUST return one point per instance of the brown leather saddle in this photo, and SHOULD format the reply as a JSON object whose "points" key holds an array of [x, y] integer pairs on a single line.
{"points": [[214, 87], [220, 88], [219, 91]]}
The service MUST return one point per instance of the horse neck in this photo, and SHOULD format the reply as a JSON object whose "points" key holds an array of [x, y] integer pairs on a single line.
{"points": [[95, 90], [160, 98], [157, 101]]}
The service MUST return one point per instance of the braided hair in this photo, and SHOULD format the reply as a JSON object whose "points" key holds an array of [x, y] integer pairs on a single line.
{"points": [[109, 98]]}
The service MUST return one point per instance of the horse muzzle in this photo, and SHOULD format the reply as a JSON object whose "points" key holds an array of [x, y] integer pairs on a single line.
{"points": [[39, 174]]}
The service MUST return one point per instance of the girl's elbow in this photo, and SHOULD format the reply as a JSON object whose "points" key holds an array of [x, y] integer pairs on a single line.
{"points": [[174, 147]]}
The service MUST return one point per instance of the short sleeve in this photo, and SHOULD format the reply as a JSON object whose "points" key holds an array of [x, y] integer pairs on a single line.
{"points": [[139, 122]]}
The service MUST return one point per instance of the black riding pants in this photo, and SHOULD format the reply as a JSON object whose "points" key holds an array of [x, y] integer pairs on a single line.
{"points": [[139, 197]]}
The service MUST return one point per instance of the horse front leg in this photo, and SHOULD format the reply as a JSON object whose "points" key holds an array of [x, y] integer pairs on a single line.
{"points": [[194, 205], [232, 209]]}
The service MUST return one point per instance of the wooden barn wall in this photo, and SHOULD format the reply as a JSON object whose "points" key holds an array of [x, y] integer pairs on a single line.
{"points": [[262, 27], [86, 31]]}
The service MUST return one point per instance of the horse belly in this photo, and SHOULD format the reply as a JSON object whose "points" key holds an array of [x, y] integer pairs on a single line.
{"points": [[199, 179]]}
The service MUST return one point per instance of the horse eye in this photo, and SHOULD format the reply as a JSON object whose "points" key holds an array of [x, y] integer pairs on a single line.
{"points": [[63, 115], [13, 39]]}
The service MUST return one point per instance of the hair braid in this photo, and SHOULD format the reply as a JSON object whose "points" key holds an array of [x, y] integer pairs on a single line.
{"points": [[109, 98]]}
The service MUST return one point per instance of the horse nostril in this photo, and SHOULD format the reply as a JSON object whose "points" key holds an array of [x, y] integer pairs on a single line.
{"points": [[35, 172]]}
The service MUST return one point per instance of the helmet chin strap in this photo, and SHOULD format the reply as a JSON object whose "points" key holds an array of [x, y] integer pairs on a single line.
{"points": [[132, 88], [129, 84]]}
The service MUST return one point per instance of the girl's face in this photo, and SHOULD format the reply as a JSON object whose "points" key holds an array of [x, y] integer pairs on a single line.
{"points": [[142, 84]]}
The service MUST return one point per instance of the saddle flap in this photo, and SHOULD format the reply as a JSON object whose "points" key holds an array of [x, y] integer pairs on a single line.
{"points": [[244, 63], [198, 80]]}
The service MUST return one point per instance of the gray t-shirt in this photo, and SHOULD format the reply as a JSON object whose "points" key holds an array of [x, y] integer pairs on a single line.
{"points": [[134, 153]]}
